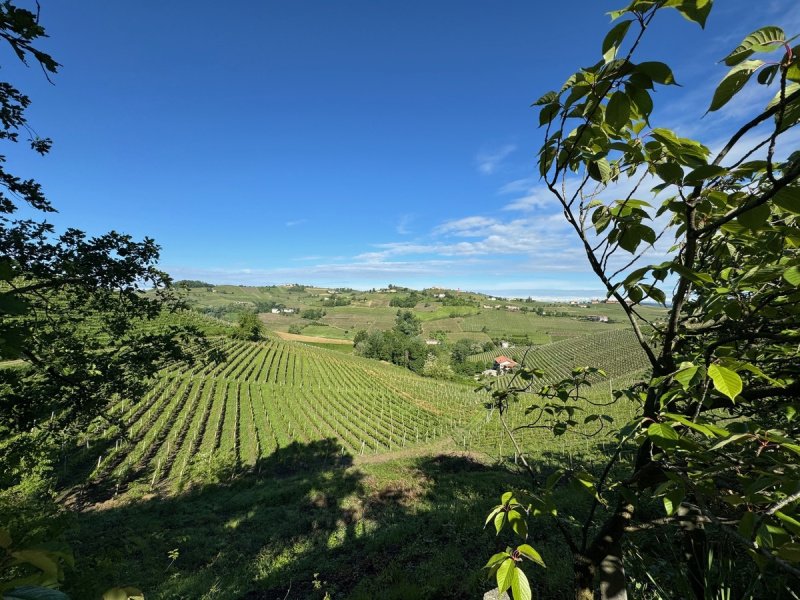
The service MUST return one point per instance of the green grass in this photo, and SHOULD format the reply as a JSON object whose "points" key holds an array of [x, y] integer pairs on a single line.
{"points": [[327, 331], [410, 528], [343, 348]]}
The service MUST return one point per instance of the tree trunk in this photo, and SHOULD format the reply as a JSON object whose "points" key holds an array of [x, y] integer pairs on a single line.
{"points": [[612, 574], [584, 577], [695, 548]]}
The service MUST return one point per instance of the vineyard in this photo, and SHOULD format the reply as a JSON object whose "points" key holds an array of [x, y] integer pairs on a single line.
{"points": [[264, 397], [615, 351], [212, 420]]}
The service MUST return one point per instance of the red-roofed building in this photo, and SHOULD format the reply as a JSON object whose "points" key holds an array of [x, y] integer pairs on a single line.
{"points": [[503, 363]]}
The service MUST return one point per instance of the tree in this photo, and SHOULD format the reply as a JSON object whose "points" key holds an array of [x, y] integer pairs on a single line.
{"points": [[715, 440], [85, 317], [407, 324], [249, 327]]}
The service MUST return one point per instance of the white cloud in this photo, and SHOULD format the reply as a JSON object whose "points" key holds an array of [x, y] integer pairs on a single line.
{"points": [[295, 223], [488, 162], [402, 226]]}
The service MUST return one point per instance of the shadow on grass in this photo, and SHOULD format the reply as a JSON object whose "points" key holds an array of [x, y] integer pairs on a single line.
{"points": [[303, 522]]}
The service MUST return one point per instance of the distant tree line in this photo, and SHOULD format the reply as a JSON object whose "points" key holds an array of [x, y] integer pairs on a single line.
{"points": [[192, 283]]}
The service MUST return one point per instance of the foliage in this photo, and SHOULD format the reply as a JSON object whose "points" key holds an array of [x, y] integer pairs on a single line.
{"points": [[249, 327], [72, 307], [409, 301], [407, 323], [192, 283], [716, 436], [312, 314]]}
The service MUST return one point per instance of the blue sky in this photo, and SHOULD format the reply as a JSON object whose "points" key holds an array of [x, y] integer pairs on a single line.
{"points": [[351, 143]]}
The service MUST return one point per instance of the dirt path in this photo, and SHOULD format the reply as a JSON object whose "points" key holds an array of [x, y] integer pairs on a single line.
{"points": [[310, 338]]}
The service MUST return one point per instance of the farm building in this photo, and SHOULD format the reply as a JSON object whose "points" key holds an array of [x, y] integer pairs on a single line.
{"points": [[503, 363]]}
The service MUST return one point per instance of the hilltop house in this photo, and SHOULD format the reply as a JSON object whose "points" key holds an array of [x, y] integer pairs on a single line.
{"points": [[503, 363]]}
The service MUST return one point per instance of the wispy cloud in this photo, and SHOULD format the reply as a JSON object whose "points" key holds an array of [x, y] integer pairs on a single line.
{"points": [[295, 223], [488, 162], [403, 224]]}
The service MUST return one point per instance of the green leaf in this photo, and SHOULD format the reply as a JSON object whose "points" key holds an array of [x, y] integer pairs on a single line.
{"points": [[657, 71], [518, 523], [618, 110], [505, 575], [492, 514], [726, 382], [792, 276], [496, 558], [613, 40], [599, 170], [685, 374], [788, 199], [29, 592], [696, 11], [761, 40], [700, 174], [528, 552], [733, 82], [548, 113], [663, 435], [499, 521], [548, 98], [520, 588], [755, 218]]}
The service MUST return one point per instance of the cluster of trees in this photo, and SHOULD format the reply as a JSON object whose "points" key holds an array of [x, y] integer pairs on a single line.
{"points": [[402, 345], [337, 301], [313, 314], [193, 283], [409, 301], [451, 300]]}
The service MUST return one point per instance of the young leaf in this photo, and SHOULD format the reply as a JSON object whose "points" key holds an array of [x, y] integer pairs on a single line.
{"points": [[520, 588], [528, 552], [725, 381], [505, 575]]}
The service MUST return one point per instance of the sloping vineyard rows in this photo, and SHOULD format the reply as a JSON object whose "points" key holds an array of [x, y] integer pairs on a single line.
{"points": [[263, 397], [616, 352]]}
